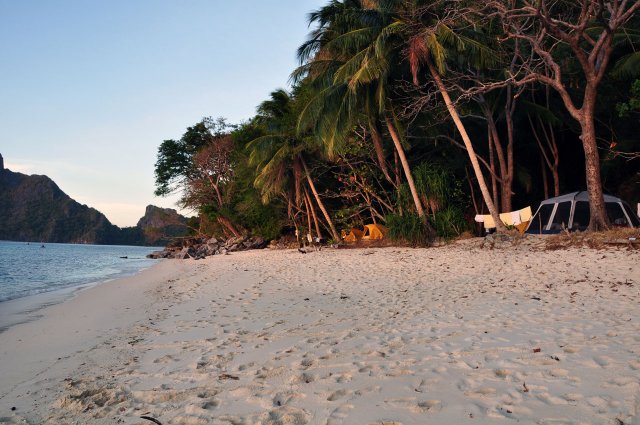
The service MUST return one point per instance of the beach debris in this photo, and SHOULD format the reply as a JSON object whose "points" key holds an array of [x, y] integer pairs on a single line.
{"points": [[537, 350], [149, 418], [226, 376], [524, 387]]}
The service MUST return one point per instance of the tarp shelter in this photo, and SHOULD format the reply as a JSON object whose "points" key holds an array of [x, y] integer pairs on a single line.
{"points": [[571, 211], [374, 232], [518, 219]]}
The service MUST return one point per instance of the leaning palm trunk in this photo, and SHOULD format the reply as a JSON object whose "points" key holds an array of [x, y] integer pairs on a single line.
{"points": [[308, 211], [467, 143], [405, 167], [313, 214], [227, 224], [334, 233], [378, 146]]}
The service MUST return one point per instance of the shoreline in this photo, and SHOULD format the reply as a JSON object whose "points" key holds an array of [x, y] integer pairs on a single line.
{"points": [[51, 342], [455, 334], [27, 308]]}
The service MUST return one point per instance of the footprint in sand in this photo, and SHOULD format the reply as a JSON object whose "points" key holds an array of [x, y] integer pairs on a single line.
{"points": [[165, 359], [305, 378], [307, 363], [282, 399], [344, 377], [337, 395], [603, 361], [551, 400], [559, 373], [339, 415], [429, 406]]}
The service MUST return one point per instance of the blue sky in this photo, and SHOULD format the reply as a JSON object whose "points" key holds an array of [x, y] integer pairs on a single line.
{"points": [[88, 90]]}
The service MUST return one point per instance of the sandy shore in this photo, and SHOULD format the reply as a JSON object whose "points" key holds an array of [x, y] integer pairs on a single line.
{"points": [[451, 335]]}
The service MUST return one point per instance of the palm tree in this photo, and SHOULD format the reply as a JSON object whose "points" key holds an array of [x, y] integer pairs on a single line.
{"points": [[352, 81], [429, 39], [279, 155]]}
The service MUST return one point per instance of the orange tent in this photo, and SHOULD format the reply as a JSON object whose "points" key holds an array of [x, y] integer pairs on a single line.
{"points": [[374, 232], [354, 235]]}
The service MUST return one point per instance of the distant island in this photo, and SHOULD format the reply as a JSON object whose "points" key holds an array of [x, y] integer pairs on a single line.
{"points": [[34, 208]]}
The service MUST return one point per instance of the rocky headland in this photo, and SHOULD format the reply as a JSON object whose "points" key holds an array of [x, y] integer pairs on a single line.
{"points": [[34, 208]]}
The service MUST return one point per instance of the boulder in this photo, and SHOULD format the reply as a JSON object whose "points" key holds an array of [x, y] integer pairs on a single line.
{"points": [[234, 241], [157, 254], [185, 253], [258, 243], [199, 248]]}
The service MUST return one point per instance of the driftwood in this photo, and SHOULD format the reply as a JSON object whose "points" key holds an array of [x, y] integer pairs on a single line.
{"points": [[631, 243], [149, 418]]}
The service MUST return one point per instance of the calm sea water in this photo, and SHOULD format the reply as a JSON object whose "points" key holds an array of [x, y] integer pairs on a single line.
{"points": [[29, 269]]}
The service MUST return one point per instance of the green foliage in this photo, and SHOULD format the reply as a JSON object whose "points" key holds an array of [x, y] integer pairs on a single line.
{"points": [[442, 196], [633, 104], [174, 162], [449, 222], [261, 219], [409, 228], [365, 71]]}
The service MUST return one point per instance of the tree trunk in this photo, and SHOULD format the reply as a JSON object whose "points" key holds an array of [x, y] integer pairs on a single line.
{"points": [[378, 146], [334, 233], [545, 182], [496, 144], [224, 221], [313, 214], [500, 227], [550, 140], [599, 220], [507, 179], [473, 192], [308, 210], [405, 167], [397, 169], [492, 167], [553, 166], [556, 180]]}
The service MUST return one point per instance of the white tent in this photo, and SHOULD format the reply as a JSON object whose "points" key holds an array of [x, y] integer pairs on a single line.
{"points": [[571, 211]]}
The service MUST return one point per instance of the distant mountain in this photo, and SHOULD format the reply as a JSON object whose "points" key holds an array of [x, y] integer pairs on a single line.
{"points": [[34, 208], [158, 225]]}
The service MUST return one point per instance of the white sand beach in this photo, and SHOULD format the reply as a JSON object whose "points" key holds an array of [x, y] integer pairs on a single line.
{"points": [[451, 335]]}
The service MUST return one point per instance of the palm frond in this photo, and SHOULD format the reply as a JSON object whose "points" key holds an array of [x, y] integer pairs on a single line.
{"points": [[627, 66]]}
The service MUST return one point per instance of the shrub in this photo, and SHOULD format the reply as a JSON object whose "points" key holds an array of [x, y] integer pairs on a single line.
{"points": [[449, 222], [409, 228]]}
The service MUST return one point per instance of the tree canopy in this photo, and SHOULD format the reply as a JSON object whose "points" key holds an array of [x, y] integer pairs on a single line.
{"points": [[421, 114]]}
